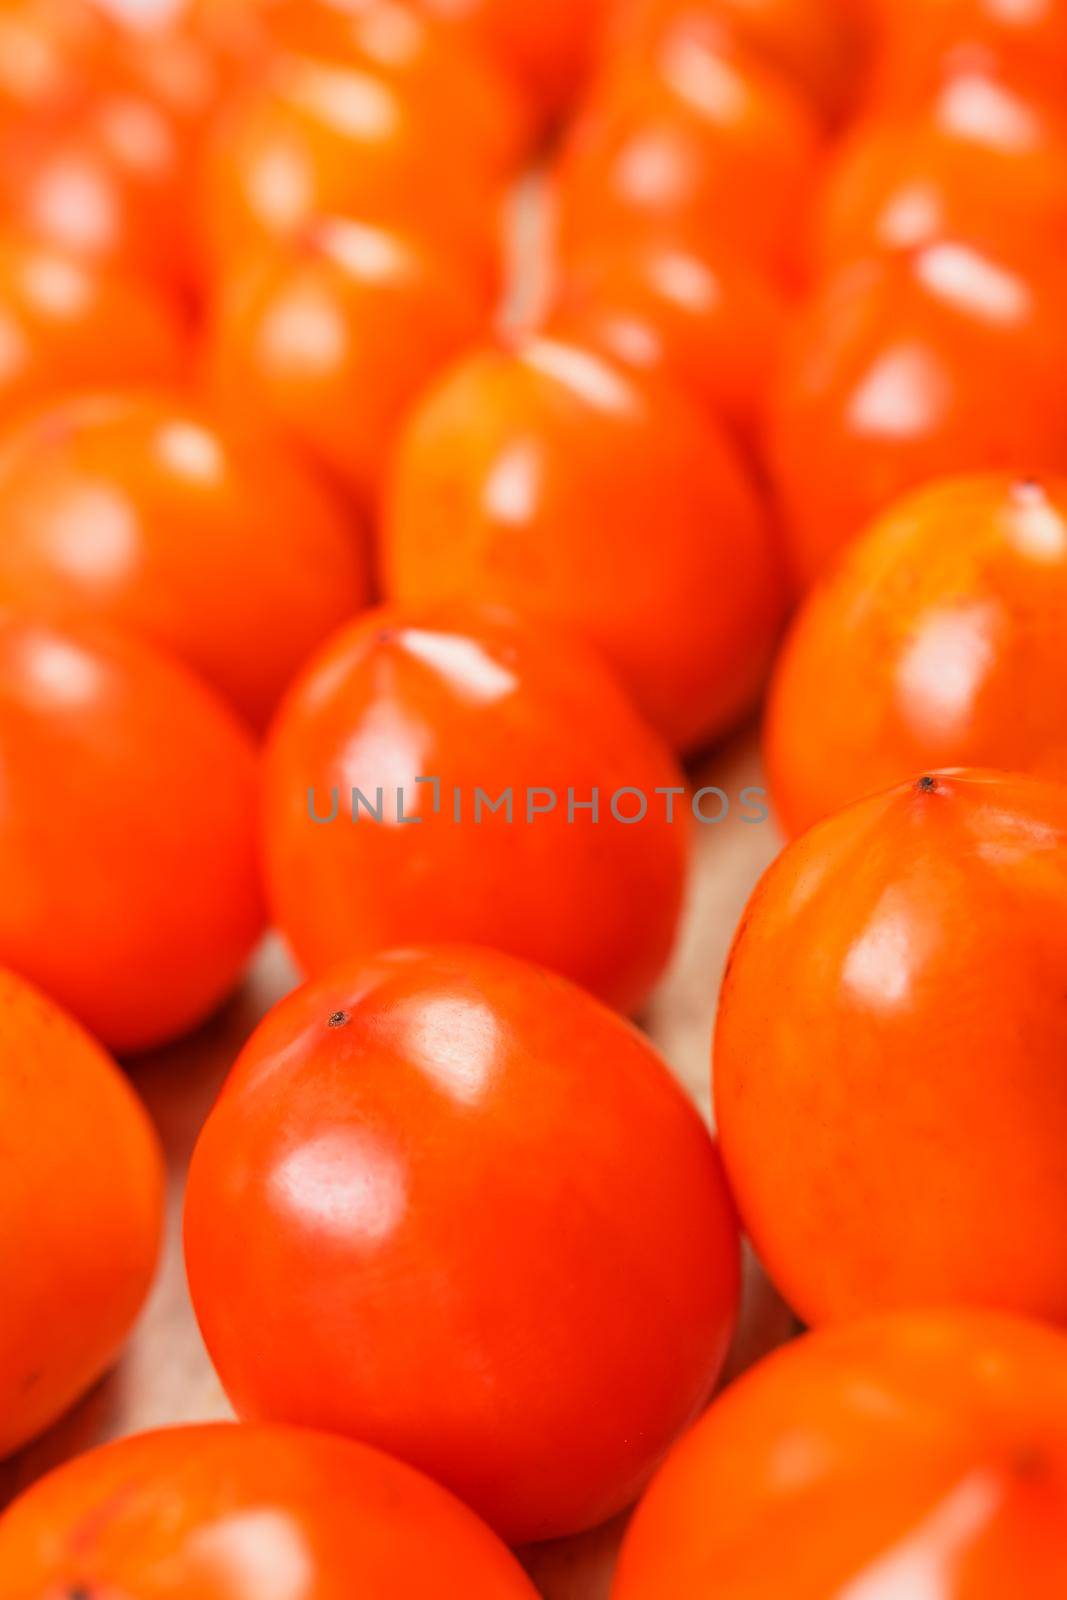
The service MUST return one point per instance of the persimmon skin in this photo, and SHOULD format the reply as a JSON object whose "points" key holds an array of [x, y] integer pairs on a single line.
{"points": [[893, 1125], [896, 374], [313, 137], [471, 1119], [127, 846], [480, 701], [208, 1511], [331, 338], [672, 150], [65, 325], [81, 1211], [47, 48], [538, 477], [158, 515], [1024, 44], [935, 642], [923, 1442], [715, 326], [981, 163]]}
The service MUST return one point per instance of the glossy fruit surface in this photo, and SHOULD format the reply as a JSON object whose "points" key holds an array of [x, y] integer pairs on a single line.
{"points": [[908, 1455], [475, 700], [65, 325], [314, 137], [810, 42], [543, 477], [675, 148], [247, 1513], [81, 1212], [715, 326], [126, 837], [900, 371], [980, 163], [47, 47], [332, 337], [548, 48], [492, 1188], [893, 1125], [151, 512], [935, 643], [1024, 40]]}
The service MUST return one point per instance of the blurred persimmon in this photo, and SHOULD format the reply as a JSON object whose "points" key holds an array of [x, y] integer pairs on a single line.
{"points": [[936, 642], [1025, 41], [48, 49], [545, 478], [81, 1212], [887, 1055], [127, 848], [329, 339], [860, 1459], [938, 360], [481, 703]]}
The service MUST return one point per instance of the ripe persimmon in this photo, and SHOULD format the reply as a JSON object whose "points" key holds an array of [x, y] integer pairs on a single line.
{"points": [[420, 710], [542, 476], [154, 513], [127, 849], [867, 1460], [65, 324], [888, 1050], [1024, 41], [900, 371], [712, 324], [48, 49], [232, 1513], [81, 1212], [674, 148], [936, 642], [330, 338], [491, 1187]]}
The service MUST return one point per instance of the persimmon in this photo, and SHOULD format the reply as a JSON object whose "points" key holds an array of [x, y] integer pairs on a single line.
{"points": [[1025, 43], [810, 42], [81, 1211], [232, 1513], [887, 1053], [330, 338], [861, 1459], [715, 325], [65, 325], [486, 704], [155, 513], [127, 848], [935, 643], [491, 1187], [313, 137], [674, 148], [544, 477], [47, 49], [898, 372], [981, 163]]}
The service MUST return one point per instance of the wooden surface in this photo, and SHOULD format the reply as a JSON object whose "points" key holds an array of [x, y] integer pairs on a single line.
{"points": [[165, 1377]]}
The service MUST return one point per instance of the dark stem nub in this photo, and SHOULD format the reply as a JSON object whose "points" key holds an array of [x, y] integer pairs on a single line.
{"points": [[340, 1019], [926, 785]]}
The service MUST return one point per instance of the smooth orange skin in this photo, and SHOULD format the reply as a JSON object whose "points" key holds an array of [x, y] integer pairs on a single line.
{"points": [[479, 700], [810, 42], [126, 832], [1026, 44], [912, 1454], [980, 163], [225, 1513], [156, 514], [81, 1212], [936, 642], [713, 325], [47, 48], [898, 372], [491, 1187], [331, 338], [65, 325], [893, 1118], [673, 149], [106, 179], [542, 477], [313, 137]]}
